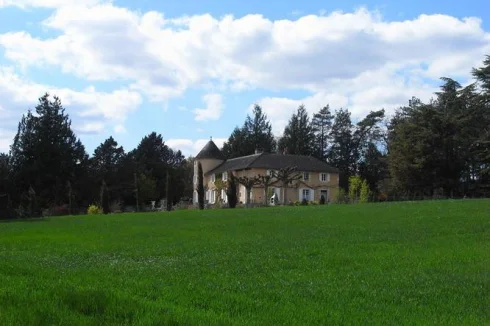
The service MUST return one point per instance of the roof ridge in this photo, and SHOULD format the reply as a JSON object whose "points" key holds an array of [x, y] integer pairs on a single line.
{"points": [[253, 161]]}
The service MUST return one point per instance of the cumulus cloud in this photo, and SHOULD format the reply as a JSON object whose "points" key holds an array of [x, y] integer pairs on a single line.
{"points": [[353, 59], [213, 110], [107, 42], [120, 129], [19, 94], [192, 147]]}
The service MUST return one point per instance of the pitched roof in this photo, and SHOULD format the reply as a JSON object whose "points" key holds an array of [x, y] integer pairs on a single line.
{"points": [[210, 151], [274, 162]]}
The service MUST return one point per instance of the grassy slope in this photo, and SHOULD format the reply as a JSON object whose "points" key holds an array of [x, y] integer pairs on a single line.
{"points": [[403, 263]]}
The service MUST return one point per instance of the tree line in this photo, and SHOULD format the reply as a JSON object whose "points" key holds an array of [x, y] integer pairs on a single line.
{"points": [[438, 148], [441, 147], [48, 171]]}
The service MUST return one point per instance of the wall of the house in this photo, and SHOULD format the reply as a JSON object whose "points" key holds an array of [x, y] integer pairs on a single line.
{"points": [[207, 165], [293, 192]]}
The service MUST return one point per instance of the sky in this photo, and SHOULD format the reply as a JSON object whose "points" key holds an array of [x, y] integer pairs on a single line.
{"points": [[193, 69]]}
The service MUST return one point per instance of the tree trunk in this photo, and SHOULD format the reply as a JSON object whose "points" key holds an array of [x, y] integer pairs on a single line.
{"points": [[285, 192], [266, 195], [247, 200]]}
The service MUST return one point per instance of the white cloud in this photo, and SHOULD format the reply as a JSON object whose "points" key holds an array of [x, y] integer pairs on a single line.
{"points": [[192, 147], [213, 110], [6, 138], [90, 128], [353, 59], [120, 129], [280, 109], [163, 57], [89, 109]]}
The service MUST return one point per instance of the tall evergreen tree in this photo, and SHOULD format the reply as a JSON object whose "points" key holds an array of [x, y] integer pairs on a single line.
{"points": [[299, 136], [46, 153], [340, 154], [255, 134], [106, 163], [322, 122]]}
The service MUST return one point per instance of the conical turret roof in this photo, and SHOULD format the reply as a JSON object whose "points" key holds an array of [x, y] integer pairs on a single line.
{"points": [[210, 151]]}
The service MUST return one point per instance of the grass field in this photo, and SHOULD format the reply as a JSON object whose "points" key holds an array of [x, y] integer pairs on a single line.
{"points": [[384, 264]]}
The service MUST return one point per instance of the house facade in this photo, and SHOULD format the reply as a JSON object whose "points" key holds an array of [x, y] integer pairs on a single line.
{"points": [[317, 178]]}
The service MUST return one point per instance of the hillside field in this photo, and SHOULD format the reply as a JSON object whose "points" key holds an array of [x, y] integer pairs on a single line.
{"points": [[372, 264]]}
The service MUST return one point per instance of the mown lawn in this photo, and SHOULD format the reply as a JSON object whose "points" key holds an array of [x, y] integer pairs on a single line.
{"points": [[383, 264]]}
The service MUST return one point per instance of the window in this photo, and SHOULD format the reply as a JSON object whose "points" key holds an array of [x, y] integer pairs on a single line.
{"points": [[224, 197], [306, 176], [213, 178], [306, 194], [225, 176], [324, 177]]}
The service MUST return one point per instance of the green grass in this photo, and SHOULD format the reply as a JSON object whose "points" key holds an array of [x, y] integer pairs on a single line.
{"points": [[383, 264]]}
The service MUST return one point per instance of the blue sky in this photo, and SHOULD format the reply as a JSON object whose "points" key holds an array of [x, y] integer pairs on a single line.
{"points": [[192, 69]]}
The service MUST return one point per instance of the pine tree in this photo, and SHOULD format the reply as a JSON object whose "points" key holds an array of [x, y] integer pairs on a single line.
{"points": [[46, 153], [340, 154], [322, 123], [255, 134], [299, 136]]}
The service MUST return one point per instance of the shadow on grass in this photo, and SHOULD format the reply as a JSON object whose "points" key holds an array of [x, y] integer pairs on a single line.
{"points": [[31, 219]]}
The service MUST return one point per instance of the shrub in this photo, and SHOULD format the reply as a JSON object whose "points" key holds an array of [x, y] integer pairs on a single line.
{"points": [[365, 192], [382, 197], [342, 197], [304, 202], [94, 210], [314, 203]]}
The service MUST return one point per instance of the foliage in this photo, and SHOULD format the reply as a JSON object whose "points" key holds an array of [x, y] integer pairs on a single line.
{"points": [[267, 181], [321, 124], [304, 202], [231, 190], [146, 188], [45, 154], [298, 137], [200, 186], [286, 177], [355, 184], [248, 183], [364, 192], [255, 134], [94, 210], [342, 197], [220, 185]]}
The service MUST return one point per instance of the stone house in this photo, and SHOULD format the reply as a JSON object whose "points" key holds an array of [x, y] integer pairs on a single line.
{"points": [[317, 177]]}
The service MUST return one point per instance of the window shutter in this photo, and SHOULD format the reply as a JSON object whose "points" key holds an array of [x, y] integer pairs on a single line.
{"points": [[312, 194], [328, 177]]}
